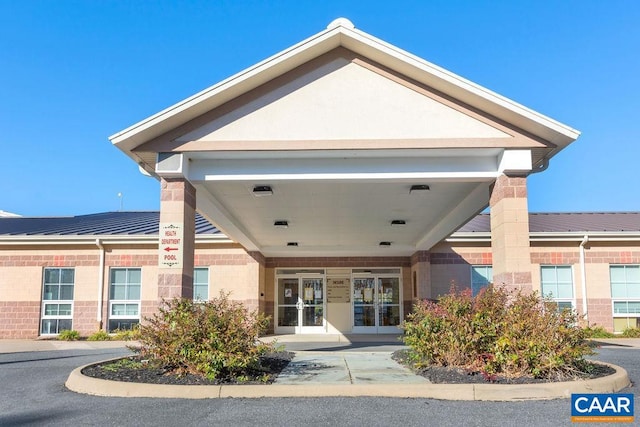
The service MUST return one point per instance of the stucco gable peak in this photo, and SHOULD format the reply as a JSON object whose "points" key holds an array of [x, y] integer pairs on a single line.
{"points": [[342, 33]]}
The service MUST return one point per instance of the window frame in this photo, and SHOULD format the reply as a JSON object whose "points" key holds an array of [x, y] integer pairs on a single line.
{"points": [[207, 269], [630, 317], [134, 319], [57, 302], [488, 272], [558, 300]]}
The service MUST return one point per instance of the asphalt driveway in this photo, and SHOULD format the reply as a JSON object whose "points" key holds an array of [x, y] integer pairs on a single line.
{"points": [[32, 392]]}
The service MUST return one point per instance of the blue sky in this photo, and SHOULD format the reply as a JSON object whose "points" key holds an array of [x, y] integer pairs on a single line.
{"points": [[73, 73]]}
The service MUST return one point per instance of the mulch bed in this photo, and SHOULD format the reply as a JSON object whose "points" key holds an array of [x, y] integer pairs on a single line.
{"points": [[453, 375], [273, 363], [270, 365]]}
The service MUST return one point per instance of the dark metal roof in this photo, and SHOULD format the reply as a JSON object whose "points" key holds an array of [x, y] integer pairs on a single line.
{"points": [[579, 222], [147, 223], [107, 223]]}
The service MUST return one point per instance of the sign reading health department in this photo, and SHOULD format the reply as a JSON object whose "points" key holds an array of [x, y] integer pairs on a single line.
{"points": [[170, 245]]}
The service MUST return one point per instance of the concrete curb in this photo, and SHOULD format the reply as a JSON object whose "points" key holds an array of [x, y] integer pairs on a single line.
{"points": [[488, 392]]}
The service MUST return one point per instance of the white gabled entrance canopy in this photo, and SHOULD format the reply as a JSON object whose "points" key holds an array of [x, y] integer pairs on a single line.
{"points": [[340, 127]]}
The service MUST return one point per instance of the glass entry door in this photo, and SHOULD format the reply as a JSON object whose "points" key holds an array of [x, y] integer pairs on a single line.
{"points": [[376, 304], [301, 305]]}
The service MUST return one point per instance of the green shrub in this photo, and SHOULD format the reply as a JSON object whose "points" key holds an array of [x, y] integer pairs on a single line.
{"points": [[132, 334], [126, 363], [69, 335], [497, 332], [631, 333], [99, 336], [596, 331], [217, 338]]}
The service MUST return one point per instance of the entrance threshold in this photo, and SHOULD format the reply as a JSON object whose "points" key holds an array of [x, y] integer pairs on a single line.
{"points": [[336, 338]]}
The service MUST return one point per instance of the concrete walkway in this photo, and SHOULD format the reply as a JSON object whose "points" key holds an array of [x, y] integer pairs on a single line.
{"points": [[343, 368], [334, 366]]}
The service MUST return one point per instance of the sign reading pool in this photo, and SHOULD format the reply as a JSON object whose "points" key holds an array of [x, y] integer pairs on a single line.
{"points": [[602, 408], [170, 245]]}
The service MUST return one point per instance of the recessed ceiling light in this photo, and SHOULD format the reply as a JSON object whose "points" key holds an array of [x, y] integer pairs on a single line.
{"points": [[281, 224], [419, 188], [292, 244], [262, 190], [385, 243], [398, 223]]}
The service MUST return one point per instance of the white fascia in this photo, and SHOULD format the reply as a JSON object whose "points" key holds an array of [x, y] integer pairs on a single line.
{"points": [[515, 161], [172, 165], [105, 240], [477, 165], [469, 237], [578, 236]]}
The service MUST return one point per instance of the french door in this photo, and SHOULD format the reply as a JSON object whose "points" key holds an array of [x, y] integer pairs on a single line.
{"points": [[376, 304], [301, 305]]}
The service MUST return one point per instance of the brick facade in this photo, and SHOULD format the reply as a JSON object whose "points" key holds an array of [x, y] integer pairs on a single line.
{"points": [[177, 206], [223, 259], [600, 312], [129, 260], [49, 260], [510, 233], [556, 258], [613, 257], [19, 319], [249, 276], [329, 262], [474, 258], [85, 317]]}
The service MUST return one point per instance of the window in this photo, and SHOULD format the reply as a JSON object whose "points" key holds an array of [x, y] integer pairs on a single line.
{"points": [[124, 301], [481, 276], [557, 283], [625, 292], [57, 300], [201, 284]]}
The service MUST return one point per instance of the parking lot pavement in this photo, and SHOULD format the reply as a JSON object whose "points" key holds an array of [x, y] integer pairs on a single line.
{"points": [[32, 393], [18, 346]]}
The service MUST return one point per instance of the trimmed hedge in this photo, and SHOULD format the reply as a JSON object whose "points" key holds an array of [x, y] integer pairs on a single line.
{"points": [[216, 338], [497, 332]]}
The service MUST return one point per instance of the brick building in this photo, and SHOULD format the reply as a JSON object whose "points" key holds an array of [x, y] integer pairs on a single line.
{"points": [[100, 271], [335, 172]]}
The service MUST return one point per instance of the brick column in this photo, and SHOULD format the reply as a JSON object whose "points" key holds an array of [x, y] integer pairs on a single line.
{"points": [[177, 206], [510, 233], [421, 273]]}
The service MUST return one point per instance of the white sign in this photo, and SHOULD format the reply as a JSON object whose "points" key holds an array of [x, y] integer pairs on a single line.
{"points": [[171, 245], [308, 294]]}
